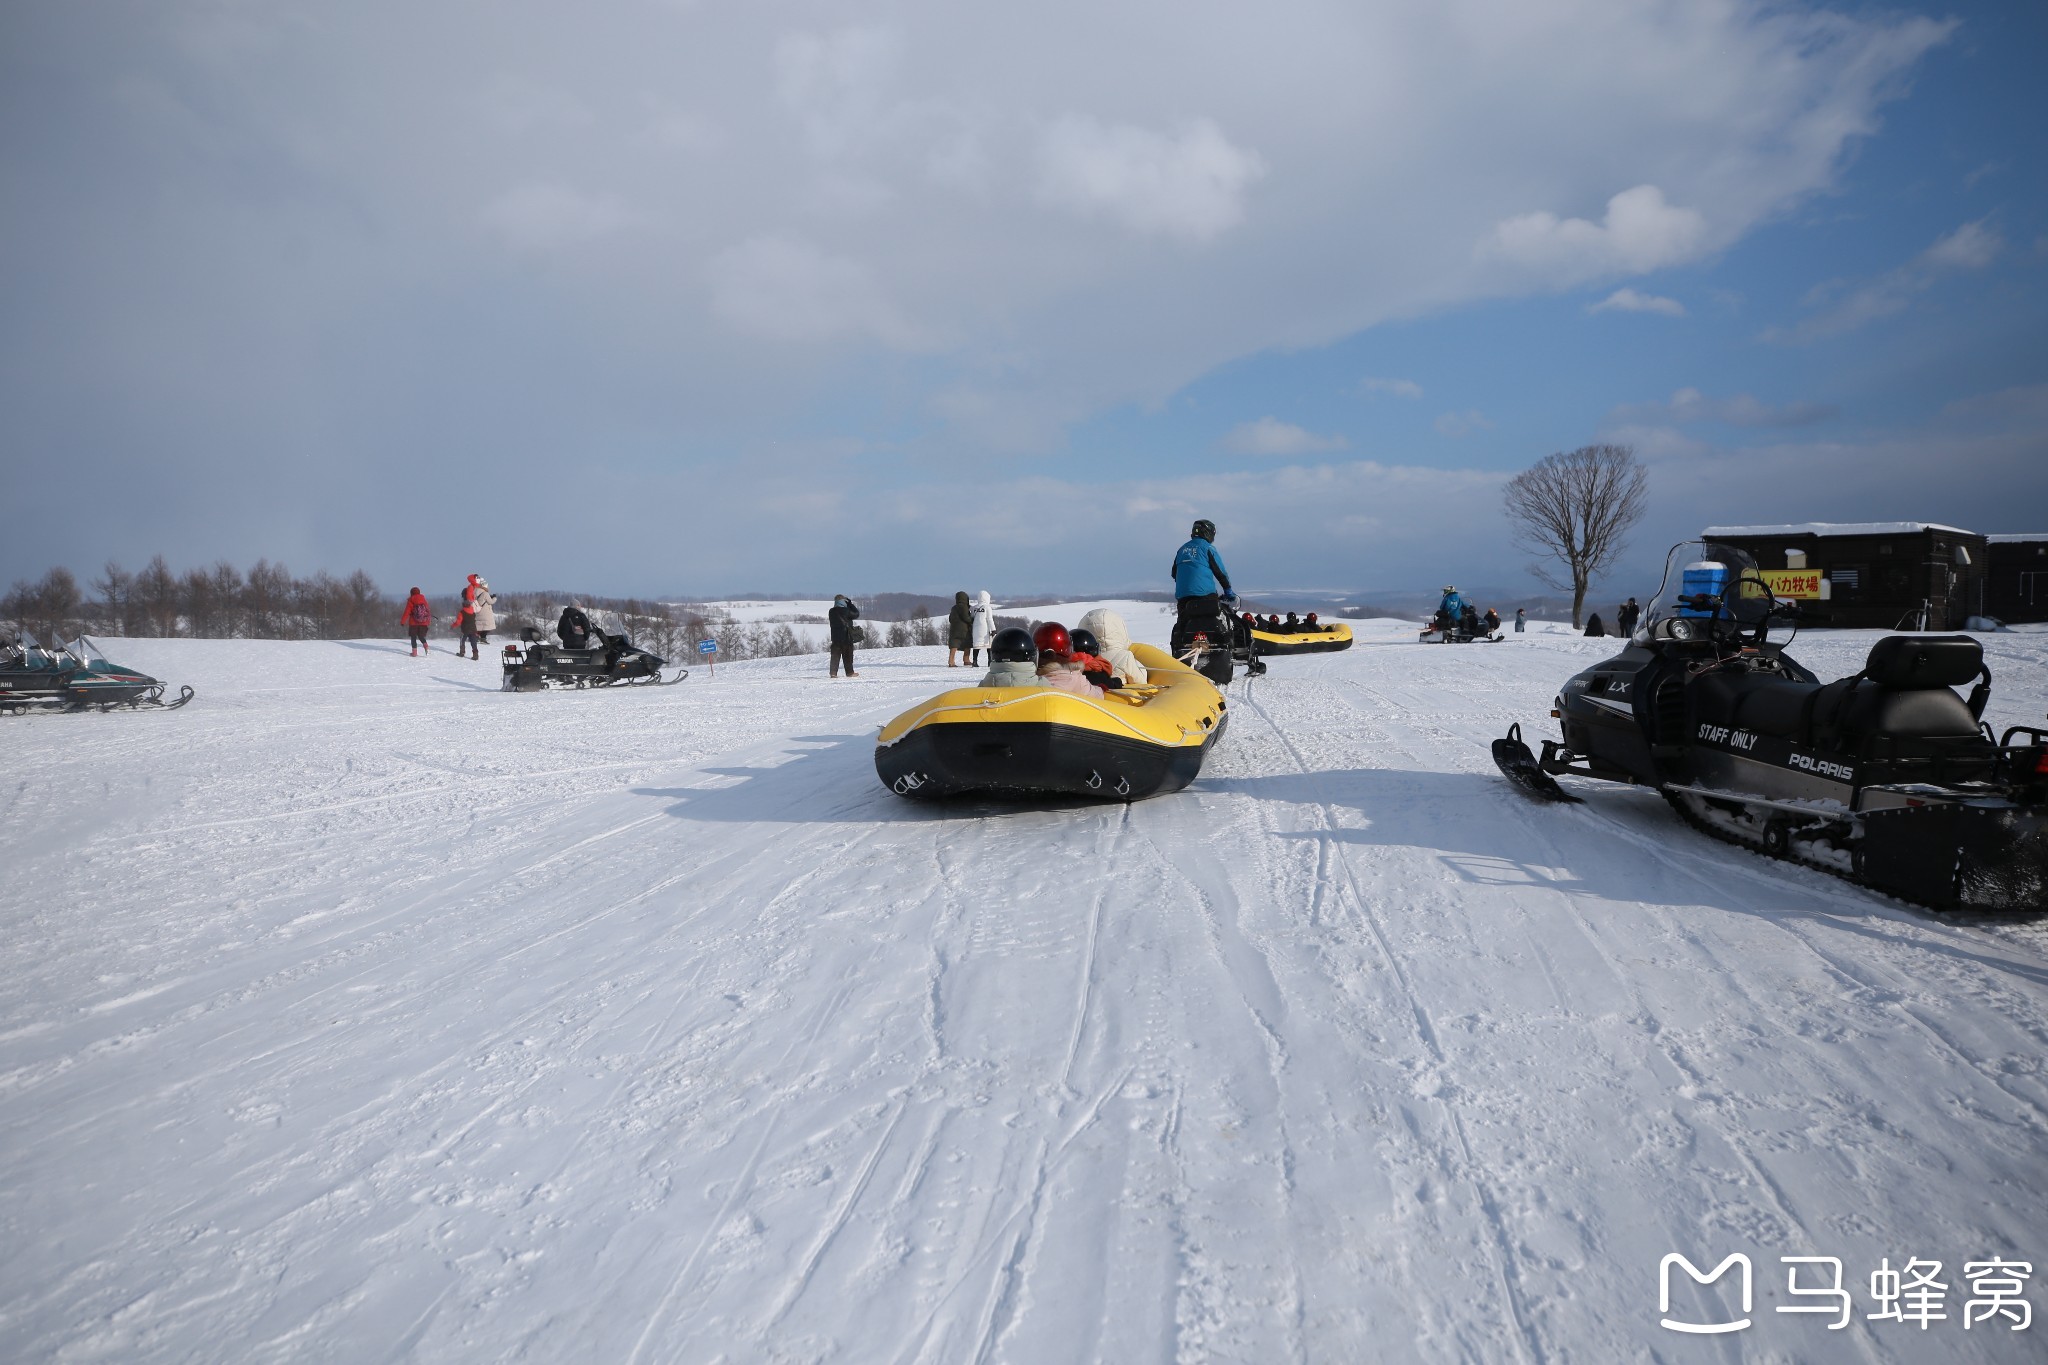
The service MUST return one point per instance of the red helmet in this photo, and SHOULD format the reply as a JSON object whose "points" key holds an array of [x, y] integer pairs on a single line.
{"points": [[1051, 635]]}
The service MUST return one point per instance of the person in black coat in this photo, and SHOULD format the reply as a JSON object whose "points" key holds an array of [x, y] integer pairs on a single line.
{"points": [[842, 616]]}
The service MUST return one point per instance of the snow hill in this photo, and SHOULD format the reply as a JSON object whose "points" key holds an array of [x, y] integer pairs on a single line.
{"points": [[360, 1011]]}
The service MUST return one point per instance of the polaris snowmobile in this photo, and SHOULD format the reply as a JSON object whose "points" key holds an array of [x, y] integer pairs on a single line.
{"points": [[74, 677], [1887, 777], [587, 657]]}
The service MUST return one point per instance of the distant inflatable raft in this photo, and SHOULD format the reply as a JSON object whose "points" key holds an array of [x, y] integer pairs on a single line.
{"points": [[1322, 640], [1026, 742]]}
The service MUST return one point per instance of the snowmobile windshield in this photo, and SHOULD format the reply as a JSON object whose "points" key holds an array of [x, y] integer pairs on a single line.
{"points": [[85, 652], [1708, 585], [34, 655]]}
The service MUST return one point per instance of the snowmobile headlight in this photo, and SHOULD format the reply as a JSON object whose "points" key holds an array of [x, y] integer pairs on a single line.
{"points": [[1681, 630]]}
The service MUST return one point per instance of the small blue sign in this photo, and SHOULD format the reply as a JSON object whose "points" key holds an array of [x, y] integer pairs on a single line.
{"points": [[707, 646]]}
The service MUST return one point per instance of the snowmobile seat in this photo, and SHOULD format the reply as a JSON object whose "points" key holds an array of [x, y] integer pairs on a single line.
{"points": [[1761, 702], [1776, 707], [1904, 663]]}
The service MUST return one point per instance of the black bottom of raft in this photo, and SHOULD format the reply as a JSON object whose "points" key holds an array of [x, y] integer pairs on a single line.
{"points": [[1027, 760], [1297, 644]]}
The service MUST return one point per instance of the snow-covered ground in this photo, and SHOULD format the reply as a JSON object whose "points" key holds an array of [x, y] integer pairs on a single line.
{"points": [[360, 1011]]}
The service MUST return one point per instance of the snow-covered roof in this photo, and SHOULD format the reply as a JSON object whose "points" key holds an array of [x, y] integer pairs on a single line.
{"points": [[2022, 538], [1835, 528]]}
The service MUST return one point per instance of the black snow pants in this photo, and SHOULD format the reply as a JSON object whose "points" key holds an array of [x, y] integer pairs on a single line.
{"points": [[842, 654], [418, 635]]}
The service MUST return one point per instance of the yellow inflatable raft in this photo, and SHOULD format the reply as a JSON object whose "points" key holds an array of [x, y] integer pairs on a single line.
{"points": [[1040, 741], [1322, 640]]}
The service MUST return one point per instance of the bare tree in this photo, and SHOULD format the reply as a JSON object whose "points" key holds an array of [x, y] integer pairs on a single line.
{"points": [[156, 594], [116, 587], [1576, 509], [267, 602], [47, 608]]}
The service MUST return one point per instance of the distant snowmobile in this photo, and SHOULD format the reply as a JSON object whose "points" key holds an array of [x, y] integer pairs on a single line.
{"points": [[74, 677], [1886, 777], [1448, 629], [601, 660]]}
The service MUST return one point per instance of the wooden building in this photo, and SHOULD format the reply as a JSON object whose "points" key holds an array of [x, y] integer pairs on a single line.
{"points": [[2016, 578], [1884, 575]]}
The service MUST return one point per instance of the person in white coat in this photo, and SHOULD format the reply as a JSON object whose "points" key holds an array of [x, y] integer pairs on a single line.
{"points": [[485, 602], [984, 627], [1115, 638]]}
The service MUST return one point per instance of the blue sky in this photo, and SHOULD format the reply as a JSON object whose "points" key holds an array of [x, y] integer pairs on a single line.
{"points": [[862, 296]]}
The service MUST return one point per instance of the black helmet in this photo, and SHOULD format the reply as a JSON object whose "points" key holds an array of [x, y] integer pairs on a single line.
{"points": [[1084, 641], [1012, 645], [1205, 529]]}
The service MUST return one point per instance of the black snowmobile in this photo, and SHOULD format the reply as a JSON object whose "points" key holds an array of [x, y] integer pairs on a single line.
{"points": [[1213, 648], [1464, 628], [587, 657], [74, 677], [1886, 777]]}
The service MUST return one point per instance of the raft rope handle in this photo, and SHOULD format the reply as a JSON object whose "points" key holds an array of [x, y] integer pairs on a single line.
{"points": [[997, 705]]}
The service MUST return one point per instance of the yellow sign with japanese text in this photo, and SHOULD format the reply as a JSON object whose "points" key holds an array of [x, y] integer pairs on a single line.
{"points": [[1799, 585]]}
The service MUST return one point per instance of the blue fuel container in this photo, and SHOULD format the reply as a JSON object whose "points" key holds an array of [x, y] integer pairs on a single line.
{"points": [[1705, 576]]}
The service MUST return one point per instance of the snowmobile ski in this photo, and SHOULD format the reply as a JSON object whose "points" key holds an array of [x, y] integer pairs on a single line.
{"points": [[1519, 766]]}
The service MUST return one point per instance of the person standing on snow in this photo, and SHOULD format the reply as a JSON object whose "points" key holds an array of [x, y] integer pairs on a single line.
{"points": [[984, 628], [481, 603], [1200, 586], [844, 633], [417, 618], [1625, 617], [464, 624], [1521, 619], [959, 629]]}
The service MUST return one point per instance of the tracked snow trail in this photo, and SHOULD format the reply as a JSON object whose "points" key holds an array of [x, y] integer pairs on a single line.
{"points": [[361, 1012]]}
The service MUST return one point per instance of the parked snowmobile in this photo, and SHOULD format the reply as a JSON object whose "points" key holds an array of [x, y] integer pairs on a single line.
{"points": [[1886, 777], [74, 677], [604, 661]]}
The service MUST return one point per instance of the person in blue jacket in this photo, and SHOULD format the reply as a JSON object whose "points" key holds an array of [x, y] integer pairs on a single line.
{"points": [[1201, 585], [1450, 612]]}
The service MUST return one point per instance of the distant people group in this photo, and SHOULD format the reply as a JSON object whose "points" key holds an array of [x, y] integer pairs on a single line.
{"points": [[475, 619]]}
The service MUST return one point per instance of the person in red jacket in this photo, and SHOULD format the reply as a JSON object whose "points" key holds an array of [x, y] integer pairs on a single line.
{"points": [[416, 618]]}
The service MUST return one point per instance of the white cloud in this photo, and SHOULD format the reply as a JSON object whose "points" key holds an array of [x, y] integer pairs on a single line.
{"points": [[1630, 301], [1689, 405], [1463, 423], [786, 289], [1400, 388], [1271, 436], [542, 216], [1640, 233], [988, 187], [2028, 402], [839, 85], [1846, 305], [1189, 185]]}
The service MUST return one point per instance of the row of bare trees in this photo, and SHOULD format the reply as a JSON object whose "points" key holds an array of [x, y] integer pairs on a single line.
{"points": [[216, 602]]}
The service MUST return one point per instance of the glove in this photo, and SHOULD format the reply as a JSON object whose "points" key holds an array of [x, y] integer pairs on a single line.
{"points": [[1230, 599]]}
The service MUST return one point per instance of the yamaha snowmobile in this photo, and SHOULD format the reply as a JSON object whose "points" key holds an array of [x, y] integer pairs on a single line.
{"points": [[74, 677], [600, 660], [1887, 777]]}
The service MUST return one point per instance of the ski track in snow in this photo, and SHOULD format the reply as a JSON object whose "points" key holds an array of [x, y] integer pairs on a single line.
{"points": [[360, 1011]]}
